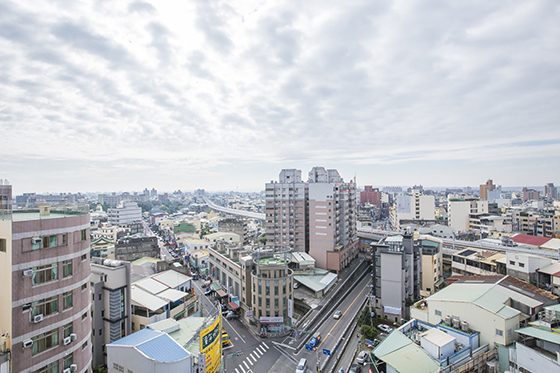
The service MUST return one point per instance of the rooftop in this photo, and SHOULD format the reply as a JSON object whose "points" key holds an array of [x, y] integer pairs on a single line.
{"points": [[154, 344]]}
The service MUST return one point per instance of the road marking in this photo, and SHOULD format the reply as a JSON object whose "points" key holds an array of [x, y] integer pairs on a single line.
{"points": [[265, 345], [258, 353], [241, 366], [247, 365], [224, 319], [236, 371], [263, 350], [253, 357], [344, 313], [249, 360]]}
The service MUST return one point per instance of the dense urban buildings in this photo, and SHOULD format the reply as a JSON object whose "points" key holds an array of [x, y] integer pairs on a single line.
{"points": [[44, 260], [370, 195], [485, 188]]}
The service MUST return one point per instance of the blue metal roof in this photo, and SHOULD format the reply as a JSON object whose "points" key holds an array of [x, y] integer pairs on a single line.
{"points": [[156, 345]]}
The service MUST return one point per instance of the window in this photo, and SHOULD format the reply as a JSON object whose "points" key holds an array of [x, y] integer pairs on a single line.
{"points": [[522, 265], [509, 332], [84, 316], [99, 296], [49, 368], [512, 262], [260, 289], [49, 241], [46, 273], [64, 239], [267, 302], [499, 332], [2, 245], [83, 234], [260, 302], [276, 289], [84, 287], [275, 302], [84, 257], [67, 268], [45, 341], [267, 290], [84, 346], [67, 330], [45, 307], [132, 326], [438, 313], [67, 300]]}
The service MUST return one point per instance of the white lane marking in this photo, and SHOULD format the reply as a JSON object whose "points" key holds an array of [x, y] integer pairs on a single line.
{"points": [[253, 358], [257, 352], [265, 345], [241, 366], [224, 319], [247, 365], [263, 350], [236, 371]]}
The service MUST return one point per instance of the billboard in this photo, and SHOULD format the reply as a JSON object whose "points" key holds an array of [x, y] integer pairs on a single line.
{"points": [[211, 345], [403, 204]]}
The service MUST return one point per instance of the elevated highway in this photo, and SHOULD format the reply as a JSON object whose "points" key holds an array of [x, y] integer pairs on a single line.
{"points": [[245, 214]]}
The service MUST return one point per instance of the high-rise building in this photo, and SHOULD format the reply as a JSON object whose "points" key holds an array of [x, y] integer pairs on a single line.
{"points": [[125, 213], [317, 216], [550, 192], [461, 209], [45, 307], [529, 194], [370, 195], [484, 188], [5, 195]]}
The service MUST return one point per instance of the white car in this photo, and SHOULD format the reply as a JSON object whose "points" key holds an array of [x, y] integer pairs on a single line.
{"points": [[362, 356], [385, 328], [337, 315]]}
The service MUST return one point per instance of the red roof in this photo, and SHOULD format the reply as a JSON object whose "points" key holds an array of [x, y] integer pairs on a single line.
{"points": [[530, 240], [233, 305]]}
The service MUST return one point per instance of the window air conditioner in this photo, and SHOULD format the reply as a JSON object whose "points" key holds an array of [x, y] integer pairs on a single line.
{"points": [[67, 340], [67, 370], [27, 272], [36, 240], [73, 367], [73, 336], [37, 318], [27, 343]]}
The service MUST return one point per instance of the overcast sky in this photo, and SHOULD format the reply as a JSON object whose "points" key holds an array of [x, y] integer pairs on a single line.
{"points": [[221, 95]]}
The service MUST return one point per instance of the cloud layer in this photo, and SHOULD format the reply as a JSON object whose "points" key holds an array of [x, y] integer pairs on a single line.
{"points": [[218, 95]]}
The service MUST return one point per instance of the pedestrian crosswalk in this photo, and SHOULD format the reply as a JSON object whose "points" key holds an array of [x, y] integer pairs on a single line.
{"points": [[251, 359]]}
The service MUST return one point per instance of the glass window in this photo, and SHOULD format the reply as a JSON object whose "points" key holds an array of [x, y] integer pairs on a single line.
{"points": [[67, 330], [67, 300], [2, 245], [267, 302], [68, 360], [83, 234], [67, 268], [45, 341], [46, 273], [49, 368], [275, 302], [45, 307], [64, 239]]}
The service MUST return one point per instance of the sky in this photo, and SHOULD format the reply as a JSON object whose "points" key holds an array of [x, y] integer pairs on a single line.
{"points": [[222, 95]]}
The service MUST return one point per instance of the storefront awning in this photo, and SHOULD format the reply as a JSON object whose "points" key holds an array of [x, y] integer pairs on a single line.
{"points": [[221, 293], [215, 287], [233, 305]]}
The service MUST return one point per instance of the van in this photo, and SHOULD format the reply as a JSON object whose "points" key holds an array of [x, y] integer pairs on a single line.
{"points": [[302, 366]]}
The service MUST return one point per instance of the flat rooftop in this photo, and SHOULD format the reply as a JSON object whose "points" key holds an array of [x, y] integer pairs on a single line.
{"points": [[27, 215]]}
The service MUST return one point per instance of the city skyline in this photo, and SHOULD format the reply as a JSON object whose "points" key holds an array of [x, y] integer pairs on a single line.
{"points": [[218, 96]]}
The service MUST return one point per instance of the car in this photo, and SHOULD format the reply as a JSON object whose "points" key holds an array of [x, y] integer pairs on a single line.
{"points": [[385, 328], [337, 315], [232, 316], [362, 356], [208, 292], [314, 341], [355, 368], [302, 366]]}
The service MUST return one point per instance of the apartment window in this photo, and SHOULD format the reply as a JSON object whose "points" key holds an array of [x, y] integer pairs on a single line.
{"points": [[512, 262], [267, 290], [83, 234], [84, 345], [100, 331], [284, 289], [49, 241], [67, 268], [68, 360], [522, 265], [267, 313], [267, 302], [84, 287], [260, 289], [64, 239], [45, 341], [45, 307], [284, 302], [99, 296], [46, 273], [2, 245], [67, 330], [84, 257], [276, 289], [438, 313], [260, 302], [49, 368], [275, 302], [132, 326], [499, 332], [84, 316]]}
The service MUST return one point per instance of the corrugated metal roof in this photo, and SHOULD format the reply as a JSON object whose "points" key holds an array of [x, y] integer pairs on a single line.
{"points": [[411, 359], [552, 244], [141, 297], [393, 342], [529, 240], [137, 338], [538, 333], [163, 349], [551, 269], [171, 278], [461, 292], [172, 295], [150, 285]]}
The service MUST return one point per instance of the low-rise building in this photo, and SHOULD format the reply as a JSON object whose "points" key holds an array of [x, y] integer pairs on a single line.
{"points": [[125, 213], [130, 249]]}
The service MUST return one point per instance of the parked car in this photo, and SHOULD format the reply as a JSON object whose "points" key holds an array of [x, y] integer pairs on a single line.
{"points": [[232, 315], [355, 368], [362, 357], [385, 328], [337, 315], [208, 292]]}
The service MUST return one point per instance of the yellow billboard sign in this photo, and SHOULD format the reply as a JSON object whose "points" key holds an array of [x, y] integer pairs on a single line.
{"points": [[211, 345]]}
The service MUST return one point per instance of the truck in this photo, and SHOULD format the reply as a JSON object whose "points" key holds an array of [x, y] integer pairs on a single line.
{"points": [[314, 341]]}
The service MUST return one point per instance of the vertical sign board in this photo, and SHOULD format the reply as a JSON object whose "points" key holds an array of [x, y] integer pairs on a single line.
{"points": [[211, 346], [201, 363], [290, 310]]}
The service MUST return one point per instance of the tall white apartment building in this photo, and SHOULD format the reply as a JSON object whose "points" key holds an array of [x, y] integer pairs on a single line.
{"points": [[126, 213], [412, 207], [459, 211], [317, 216]]}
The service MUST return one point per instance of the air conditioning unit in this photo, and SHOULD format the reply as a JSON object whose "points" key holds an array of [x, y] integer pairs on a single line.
{"points": [[27, 343], [27, 272], [73, 367], [73, 336], [37, 318], [67, 370], [36, 240], [67, 340]]}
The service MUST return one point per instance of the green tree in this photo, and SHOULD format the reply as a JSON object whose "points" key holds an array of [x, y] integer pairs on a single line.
{"points": [[100, 369], [262, 240], [369, 332]]}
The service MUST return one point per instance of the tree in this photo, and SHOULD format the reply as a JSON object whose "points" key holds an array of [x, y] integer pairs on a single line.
{"points": [[100, 369], [262, 240], [369, 332]]}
